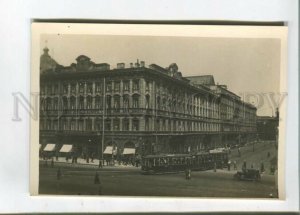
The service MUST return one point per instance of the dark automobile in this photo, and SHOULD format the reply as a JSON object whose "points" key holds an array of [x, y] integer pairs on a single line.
{"points": [[248, 174]]}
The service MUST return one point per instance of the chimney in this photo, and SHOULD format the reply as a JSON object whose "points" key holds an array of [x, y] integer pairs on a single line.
{"points": [[137, 64], [142, 63], [120, 65]]}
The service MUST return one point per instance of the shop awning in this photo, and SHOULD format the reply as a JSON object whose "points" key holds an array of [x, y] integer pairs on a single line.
{"points": [[129, 151], [66, 148], [108, 150], [49, 147]]}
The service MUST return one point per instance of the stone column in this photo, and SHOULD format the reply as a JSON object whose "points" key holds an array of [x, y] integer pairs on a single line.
{"points": [[143, 93], [130, 123], [121, 123], [111, 124]]}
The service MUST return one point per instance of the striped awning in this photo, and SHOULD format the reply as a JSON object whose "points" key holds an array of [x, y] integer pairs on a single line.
{"points": [[49, 147], [129, 151], [66, 148]]}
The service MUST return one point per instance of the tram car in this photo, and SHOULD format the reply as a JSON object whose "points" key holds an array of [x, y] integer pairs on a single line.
{"points": [[171, 163]]}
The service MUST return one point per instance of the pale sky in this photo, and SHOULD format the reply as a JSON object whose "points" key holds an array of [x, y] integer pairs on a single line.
{"points": [[245, 65]]}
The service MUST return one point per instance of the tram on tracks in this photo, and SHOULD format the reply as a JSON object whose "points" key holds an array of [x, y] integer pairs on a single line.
{"points": [[172, 163]]}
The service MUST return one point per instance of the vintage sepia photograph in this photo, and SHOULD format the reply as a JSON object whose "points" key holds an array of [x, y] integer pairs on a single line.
{"points": [[158, 110]]}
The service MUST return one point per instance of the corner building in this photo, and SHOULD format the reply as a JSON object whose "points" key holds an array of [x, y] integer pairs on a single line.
{"points": [[148, 108]]}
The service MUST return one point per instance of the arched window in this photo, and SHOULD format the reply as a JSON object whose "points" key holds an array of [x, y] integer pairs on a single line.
{"points": [[81, 102], [55, 104], [73, 102], [89, 102], [65, 103], [98, 103], [116, 102], [135, 101], [126, 102]]}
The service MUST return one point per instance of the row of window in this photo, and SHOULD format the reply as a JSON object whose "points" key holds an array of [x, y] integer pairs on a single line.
{"points": [[117, 124], [91, 87]]}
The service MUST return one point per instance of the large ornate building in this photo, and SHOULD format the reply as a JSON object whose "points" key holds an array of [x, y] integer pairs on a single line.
{"points": [[146, 108]]}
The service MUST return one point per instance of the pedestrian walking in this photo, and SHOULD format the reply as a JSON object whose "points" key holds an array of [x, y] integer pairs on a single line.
{"points": [[100, 164], [252, 166], [269, 154], [189, 174], [234, 165], [229, 165], [215, 167], [239, 152]]}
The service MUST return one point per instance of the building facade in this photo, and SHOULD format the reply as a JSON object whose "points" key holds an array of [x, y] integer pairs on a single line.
{"points": [[267, 127], [148, 108]]}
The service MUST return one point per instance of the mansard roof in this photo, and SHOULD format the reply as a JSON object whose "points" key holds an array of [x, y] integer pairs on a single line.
{"points": [[202, 80]]}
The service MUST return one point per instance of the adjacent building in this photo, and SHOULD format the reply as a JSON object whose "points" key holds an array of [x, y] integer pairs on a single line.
{"points": [[147, 109]]}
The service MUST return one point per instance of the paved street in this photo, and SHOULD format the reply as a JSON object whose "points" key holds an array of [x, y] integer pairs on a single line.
{"points": [[79, 179]]}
